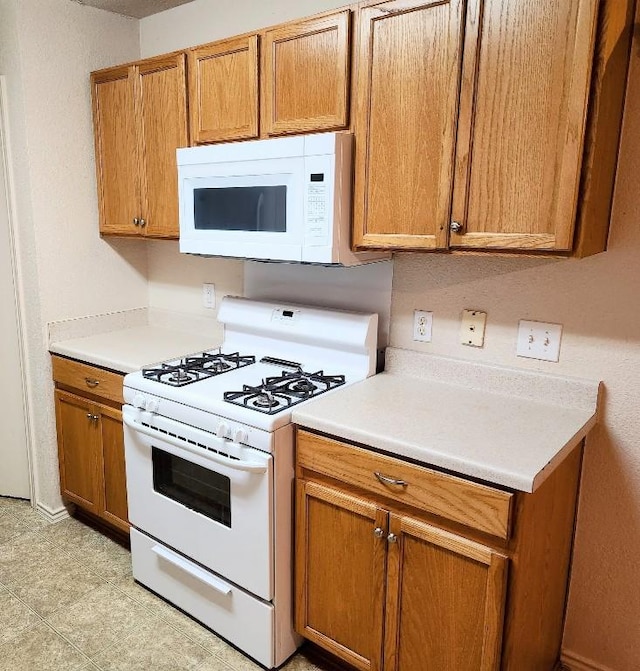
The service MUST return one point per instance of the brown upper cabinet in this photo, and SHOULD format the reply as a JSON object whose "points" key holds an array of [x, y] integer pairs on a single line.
{"points": [[306, 76], [140, 119], [485, 128], [223, 90], [409, 58]]}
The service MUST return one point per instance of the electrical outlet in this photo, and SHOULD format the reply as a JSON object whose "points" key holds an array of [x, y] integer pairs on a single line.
{"points": [[208, 296], [472, 328], [422, 325], [538, 340]]}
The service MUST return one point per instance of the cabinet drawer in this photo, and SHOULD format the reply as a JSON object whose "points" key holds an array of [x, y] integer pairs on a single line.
{"points": [[474, 505], [88, 378]]}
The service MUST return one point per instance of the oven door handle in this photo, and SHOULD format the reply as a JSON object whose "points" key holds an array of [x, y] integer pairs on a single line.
{"points": [[238, 465], [190, 569]]}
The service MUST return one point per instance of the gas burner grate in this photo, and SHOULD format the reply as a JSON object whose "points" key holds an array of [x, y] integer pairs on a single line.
{"points": [[283, 391], [197, 367]]}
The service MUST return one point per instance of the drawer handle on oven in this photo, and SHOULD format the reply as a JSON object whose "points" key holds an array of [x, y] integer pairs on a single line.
{"points": [[238, 465], [194, 571], [390, 481]]}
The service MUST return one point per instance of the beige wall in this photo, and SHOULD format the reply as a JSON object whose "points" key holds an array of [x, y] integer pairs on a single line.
{"points": [[48, 49]]}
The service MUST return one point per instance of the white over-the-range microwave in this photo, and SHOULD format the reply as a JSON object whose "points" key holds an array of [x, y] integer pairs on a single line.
{"points": [[284, 199]]}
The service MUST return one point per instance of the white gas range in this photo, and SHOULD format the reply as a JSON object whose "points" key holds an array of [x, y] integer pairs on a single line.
{"points": [[209, 451]]}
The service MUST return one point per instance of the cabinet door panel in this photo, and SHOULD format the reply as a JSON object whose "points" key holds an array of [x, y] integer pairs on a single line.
{"points": [[113, 470], [306, 69], [116, 151], [162, 128], [79, 450], [445, 601], [409, 66], [223, 90], [340, 565], [520, 154]]}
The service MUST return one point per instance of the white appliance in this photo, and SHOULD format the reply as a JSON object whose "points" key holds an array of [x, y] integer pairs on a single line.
{"points": [[284, 199], [210, 464]]}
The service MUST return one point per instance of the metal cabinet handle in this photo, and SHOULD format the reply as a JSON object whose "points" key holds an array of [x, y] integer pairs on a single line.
{"points": [[93, 418], [378, 532], [136, 221], [392, 538], [385, 480], [456, 227], [91, 382], [143, 222]]}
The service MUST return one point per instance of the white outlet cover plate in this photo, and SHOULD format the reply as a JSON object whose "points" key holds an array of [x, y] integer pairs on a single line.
{"points": [[422, 325], [472, 328], [539, 340], [208, 295]]}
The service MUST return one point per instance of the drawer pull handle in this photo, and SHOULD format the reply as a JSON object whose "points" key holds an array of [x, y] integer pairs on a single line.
{"points": [[191, 569], [93, 418], [378, 532], [390, 481], [91, 381], [392, 538]]}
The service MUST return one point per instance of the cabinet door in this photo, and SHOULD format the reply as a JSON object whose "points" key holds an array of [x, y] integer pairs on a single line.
{"points": [[340, 566], [521, 133], [79, 451], [445, 601], [409, 62], [115, 508], [223, 90], [306, 76], [113, 94], [161, 99]]}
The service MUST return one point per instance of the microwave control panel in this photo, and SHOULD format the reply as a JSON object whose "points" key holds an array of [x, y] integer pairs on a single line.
{"points": [[318, 196]]}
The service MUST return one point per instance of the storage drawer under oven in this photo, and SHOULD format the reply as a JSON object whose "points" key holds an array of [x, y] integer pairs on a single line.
{"points": [[218, 604]]}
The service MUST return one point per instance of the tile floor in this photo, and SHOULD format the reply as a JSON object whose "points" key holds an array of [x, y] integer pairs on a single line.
{"points": [[68, 602]]}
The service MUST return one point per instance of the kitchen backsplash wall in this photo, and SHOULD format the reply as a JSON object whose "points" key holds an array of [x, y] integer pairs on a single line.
{"points": [[364, 288]]}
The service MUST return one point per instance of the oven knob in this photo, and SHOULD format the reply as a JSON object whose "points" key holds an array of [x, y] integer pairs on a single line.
{"points": [[222, 430], [152, 405], [240, 436], [139, 401]]}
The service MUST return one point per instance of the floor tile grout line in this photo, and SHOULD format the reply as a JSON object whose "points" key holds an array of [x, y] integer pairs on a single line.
{"points": [[66, 640]]}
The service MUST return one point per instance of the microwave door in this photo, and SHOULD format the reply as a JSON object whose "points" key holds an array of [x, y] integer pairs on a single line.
{"points": [[255, 215]]}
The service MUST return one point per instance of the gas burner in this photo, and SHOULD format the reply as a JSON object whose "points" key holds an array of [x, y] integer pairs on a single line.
{"points": [[282, 391], [197, 367], [181, 376]]}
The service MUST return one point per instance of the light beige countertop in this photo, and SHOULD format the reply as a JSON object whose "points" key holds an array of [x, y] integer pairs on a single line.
{"points": [[131, 340], [505, 426]]}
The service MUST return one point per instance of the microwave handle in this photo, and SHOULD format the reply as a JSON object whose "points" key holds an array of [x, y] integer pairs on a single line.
{"points": [[194, 571], [238, 465], [259, 211]]}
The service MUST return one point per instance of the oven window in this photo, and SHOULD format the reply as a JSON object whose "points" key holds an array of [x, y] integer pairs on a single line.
{"points": [[241, 208], [198, 488]]}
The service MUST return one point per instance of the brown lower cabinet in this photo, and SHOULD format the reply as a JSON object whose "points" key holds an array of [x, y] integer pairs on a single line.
{"points": [[388, 579], [88, 404]]}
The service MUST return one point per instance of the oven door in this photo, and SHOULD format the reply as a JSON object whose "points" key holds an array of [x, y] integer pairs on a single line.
{"points": [[204, 496]]}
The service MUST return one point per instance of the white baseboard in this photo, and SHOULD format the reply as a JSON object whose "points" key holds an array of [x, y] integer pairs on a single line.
{"points": [[52, 514], [576, 662]]}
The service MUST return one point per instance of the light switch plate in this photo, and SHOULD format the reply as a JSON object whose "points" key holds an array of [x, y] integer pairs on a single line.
{"points": [[472, 328], [539, 340], [422, 325]]}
